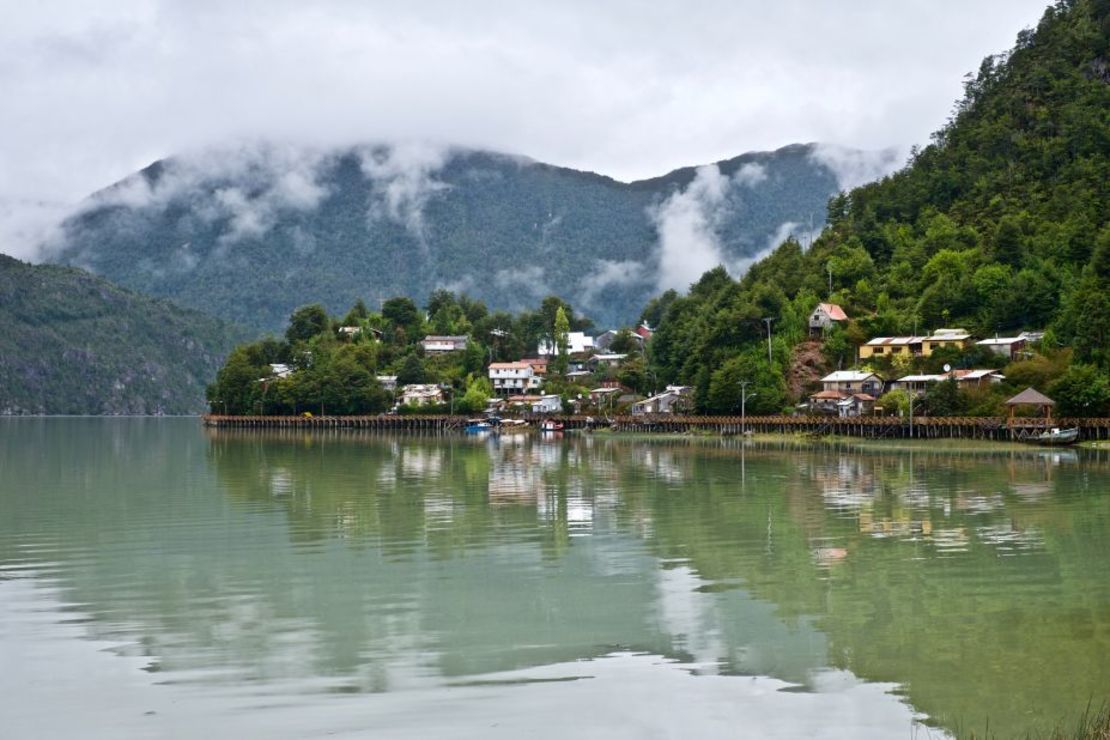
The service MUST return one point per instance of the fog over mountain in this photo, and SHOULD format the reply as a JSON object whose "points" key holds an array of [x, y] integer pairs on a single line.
{"points": [[99, 90], [251, 232]]}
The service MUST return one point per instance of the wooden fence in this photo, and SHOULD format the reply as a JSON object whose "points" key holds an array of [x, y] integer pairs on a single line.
{"points": [[875, 427]]}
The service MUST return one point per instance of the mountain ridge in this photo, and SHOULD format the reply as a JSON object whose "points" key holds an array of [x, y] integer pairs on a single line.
{"points": [[73, 343], [334, 225]]}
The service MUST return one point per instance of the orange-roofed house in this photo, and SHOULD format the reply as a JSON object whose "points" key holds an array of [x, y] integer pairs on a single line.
{"points": [[825, 316]]}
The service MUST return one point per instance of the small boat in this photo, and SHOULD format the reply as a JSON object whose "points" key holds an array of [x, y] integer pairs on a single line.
{"points": [[1057, 436], [550, 425], [509, 426], [477, 426]]}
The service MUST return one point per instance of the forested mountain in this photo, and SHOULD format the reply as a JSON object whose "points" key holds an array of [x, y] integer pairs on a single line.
{"points": [[72, 343], [1002, 223], [250, 234]]}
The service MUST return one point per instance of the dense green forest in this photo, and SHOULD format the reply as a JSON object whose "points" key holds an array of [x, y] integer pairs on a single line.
{"points": [[1001, 224], [251, 235], [72, 343]]}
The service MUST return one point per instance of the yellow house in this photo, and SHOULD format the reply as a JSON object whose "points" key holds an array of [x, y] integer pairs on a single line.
{"points": [[945, 338], [914, 346], [891, 347]]}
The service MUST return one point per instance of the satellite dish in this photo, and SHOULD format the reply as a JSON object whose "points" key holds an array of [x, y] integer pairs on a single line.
{"points": [[947, 368]]}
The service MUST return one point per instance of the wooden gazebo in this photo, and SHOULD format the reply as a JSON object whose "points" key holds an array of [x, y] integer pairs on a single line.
{"points": [[1032, 397]]}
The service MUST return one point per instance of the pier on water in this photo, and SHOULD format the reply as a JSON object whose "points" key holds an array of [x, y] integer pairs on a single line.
{"points": [[873, 427]]}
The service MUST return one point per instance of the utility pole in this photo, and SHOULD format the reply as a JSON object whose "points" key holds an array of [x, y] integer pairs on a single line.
{"points": [[911, 414], [768, 320], [744, 396], [828, 268]]}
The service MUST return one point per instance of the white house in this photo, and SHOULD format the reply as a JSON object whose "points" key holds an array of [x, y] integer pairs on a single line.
{"points": [[514, 378], [675, 399], [1007, 347], [280, 370], [577, 342], [421, 394], [918, 384], [551, 403], [389, 382], [434, 344], [825, 316], [853, 381]]}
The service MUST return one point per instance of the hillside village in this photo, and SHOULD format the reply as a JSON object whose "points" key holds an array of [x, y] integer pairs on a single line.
{"points": [[533, 363]]}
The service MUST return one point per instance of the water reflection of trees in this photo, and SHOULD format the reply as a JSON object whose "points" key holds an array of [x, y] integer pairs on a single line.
{"points": [[917, 565], [928, 568], [980, 582]]}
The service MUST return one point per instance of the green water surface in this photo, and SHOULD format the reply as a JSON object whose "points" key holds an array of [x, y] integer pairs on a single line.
{"points": [[161, 580]]}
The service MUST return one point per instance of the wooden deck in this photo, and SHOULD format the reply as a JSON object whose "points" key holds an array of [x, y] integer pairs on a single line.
{"points": [[874, 427]]}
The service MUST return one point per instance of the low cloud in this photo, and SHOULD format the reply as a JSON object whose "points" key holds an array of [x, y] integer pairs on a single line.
{"points": [[854, 167], [610, 273], [253, 185], [404, 181], [686, 223], [25, 225], [531, 279], [786, 230], [750, 174]]}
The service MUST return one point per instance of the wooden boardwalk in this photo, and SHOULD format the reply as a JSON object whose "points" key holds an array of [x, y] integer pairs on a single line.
{"points": [[873, 427]]}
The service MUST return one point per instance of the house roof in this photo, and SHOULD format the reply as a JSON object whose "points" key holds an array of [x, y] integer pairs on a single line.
{"points": [[948, 334], [833, 311], [438, 338], [510, 366], [973, 374], [861, 397], [922, 379], [827, 395], [605, 390], [1000, 341], [658, 397], [848, 376], [894, 341], [1030, 397]]}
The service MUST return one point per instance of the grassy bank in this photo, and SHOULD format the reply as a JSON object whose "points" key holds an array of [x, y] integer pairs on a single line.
{"points": [[1092, 725]]}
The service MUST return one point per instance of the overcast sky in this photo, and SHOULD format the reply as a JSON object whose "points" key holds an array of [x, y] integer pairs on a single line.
{"points": [[92, 91]]}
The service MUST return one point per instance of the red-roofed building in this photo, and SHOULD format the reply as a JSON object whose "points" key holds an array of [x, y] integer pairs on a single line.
{"points": [[825, 316]]}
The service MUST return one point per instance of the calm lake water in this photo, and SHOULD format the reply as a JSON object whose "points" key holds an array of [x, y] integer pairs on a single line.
{"points": [[161, 580]]}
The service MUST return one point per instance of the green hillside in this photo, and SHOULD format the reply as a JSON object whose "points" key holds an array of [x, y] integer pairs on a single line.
{"points": [[249, 235], [1001, 224], [72, 343]]}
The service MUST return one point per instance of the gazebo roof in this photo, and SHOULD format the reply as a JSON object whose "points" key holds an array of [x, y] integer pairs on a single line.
{"points": [[1030, 397]]}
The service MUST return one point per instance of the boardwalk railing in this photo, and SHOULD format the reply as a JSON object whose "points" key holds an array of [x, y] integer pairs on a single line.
{"points": [[923, 427]]}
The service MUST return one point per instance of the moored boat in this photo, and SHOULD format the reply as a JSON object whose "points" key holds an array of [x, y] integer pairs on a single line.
{"points": [[477, 426], [1057, 436]]}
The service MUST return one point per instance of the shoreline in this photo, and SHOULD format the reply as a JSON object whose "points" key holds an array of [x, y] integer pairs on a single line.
{"points": [[888, 429]]}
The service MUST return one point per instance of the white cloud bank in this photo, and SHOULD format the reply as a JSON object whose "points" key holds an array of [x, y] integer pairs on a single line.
{"points": [[687, 222], [687, 226], [404, 180], [98, 90]]}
